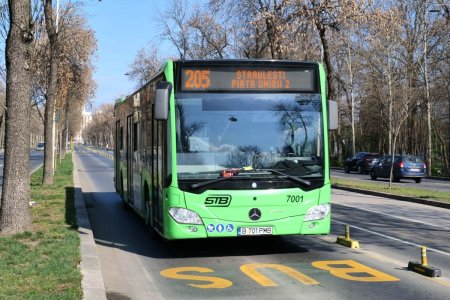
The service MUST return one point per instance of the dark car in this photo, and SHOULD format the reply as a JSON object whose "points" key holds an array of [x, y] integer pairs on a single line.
{"points": [[405, 166], [361, 162]]}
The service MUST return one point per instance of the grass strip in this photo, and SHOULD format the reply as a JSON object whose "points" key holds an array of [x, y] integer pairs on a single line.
{"points": [[43, 263], [395, 190]]}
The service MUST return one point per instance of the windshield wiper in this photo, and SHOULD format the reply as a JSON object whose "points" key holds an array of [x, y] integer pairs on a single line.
{"points": [[293, 178], [204, 183]]}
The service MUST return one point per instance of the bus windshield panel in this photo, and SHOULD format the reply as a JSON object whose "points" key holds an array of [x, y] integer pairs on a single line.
{"points": [[248, 134]]}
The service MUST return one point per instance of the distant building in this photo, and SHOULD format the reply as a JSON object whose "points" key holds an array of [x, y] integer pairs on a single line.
{"points": [[86, 120]]}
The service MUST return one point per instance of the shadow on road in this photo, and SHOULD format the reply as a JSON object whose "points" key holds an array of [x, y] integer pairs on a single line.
{"points": [[123, 229]]}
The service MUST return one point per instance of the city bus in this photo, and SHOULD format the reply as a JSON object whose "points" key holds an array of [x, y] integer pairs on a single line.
{"points": [[227, 148]]}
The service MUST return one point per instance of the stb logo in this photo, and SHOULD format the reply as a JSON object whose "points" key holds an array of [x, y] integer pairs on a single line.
{"points": [[218, 200]]}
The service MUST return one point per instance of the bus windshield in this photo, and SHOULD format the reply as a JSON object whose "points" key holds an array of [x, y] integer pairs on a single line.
{"points": [[216, 132]]}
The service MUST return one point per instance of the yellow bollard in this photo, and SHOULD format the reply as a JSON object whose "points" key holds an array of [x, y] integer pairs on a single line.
{"points": [[423, 251], [346, 241], [422, 267]]}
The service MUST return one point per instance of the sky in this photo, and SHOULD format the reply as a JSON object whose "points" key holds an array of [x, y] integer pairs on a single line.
{"points": [[122, 27]]}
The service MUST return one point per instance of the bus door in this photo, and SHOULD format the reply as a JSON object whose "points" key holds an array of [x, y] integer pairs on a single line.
{"points": [[117, 158], [129, 159], [136, 167], [158, 171]]}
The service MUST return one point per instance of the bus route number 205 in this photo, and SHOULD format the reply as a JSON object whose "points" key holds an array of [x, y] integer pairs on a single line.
{"points": [[294, 199]]}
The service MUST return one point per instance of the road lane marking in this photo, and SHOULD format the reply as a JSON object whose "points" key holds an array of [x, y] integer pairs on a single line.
{"points": [[393, 238], [389, 215], [250, 271]]}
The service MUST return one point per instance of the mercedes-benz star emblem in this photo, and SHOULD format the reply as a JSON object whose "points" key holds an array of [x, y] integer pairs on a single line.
{"points": [[254, 214]]}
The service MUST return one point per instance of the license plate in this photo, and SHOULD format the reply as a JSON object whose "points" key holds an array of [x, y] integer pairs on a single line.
{"points": [[254, 231], [414, 170]]}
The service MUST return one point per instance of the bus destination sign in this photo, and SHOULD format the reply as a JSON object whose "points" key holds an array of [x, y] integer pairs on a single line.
{"points": [[234, 78]]}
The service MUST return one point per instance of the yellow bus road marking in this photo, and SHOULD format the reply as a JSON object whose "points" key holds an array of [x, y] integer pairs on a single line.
{"points": [[440, 280], [250, 271], [214, 282], [343, 269], [392, 238], [335, 268]]}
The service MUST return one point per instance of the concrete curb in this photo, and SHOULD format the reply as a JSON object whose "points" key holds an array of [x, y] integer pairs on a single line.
{"points": [[92, 282], [396, 197]]}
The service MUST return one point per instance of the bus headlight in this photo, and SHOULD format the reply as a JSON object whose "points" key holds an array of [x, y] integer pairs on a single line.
{"points": [[185, 216], [317, 212]]}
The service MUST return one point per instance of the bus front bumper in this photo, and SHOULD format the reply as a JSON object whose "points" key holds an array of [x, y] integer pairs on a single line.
{"points": [[221, 228]]}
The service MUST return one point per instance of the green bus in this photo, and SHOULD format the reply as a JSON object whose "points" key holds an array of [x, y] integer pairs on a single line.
{"points": [[227, 148]]}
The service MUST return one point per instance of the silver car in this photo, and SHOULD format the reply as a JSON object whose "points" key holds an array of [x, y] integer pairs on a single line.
{"points": [[40, 146]]}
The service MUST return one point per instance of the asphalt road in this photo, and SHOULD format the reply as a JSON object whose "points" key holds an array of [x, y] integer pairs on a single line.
{"points": [[427, 183], [390, 232], [36, 160]]}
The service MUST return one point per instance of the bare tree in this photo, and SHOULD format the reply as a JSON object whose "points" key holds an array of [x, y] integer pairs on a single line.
{"points": [[386, 62], [196, 33], [76, 45], [99, 133], [146, 64]]}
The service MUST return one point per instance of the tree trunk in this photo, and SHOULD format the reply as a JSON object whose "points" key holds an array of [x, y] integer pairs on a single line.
{"points": [[51, 96], [14, 212], [327, 61]]}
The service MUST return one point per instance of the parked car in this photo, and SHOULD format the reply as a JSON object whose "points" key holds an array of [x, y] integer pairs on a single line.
{"points": [[405, 166], [40, 146], [361, 162]]}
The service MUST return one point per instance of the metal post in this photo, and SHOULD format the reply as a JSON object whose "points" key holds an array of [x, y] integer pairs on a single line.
{"points": [[347, 232]]}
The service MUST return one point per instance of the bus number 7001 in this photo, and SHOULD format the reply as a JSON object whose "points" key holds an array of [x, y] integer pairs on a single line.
{"points": [[294, 198]]}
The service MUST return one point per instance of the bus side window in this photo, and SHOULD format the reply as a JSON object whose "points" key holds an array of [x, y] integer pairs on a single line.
{"points": [[121, 138]]}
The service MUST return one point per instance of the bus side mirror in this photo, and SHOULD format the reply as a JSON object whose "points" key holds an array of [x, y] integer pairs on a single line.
{"points": [[162, 95], [333, 115]]}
